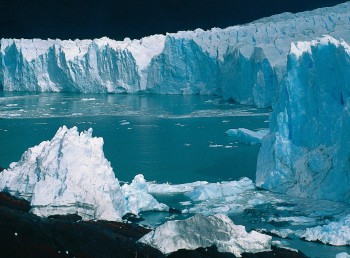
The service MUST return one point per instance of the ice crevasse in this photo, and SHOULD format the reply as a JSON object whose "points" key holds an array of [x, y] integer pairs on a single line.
{"points": [[70, 175], [246, 63], [307, 151]]}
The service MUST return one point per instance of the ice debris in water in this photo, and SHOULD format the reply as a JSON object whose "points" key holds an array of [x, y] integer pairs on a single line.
{"points": [[247, 136], [70, 174], [334, 233], [201, 231], [137, 198], [342, 255], [220, 190], [170, 189]]}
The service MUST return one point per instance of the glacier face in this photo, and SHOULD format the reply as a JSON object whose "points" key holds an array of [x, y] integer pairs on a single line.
{"points": [[246, 63], [307, 152], [69, 174]]}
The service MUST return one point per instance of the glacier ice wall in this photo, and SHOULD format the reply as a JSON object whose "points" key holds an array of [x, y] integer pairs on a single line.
{"points": [[307, 152], [69, 174], [246, 63]]}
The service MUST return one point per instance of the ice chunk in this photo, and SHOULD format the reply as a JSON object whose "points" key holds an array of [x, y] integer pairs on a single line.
{"points": [[201, 231], [247, 136], [334, 233], [219, 190], [301, 220], [138, 199], [69, 174], [307, 151], [342, 255], [170, 189]]}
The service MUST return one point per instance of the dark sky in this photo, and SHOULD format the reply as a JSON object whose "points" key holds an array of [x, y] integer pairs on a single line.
{"points": [[118, 19]]}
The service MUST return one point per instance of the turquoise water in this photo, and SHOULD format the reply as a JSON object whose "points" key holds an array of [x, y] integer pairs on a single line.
{"points": [[173, 139], [168, 138]]}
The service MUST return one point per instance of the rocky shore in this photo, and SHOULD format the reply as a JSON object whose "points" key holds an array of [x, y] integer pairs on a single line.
{"points": [[24, 234]]}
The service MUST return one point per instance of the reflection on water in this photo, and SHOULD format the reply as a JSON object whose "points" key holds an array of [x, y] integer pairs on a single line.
{"points": [[45, 105]]}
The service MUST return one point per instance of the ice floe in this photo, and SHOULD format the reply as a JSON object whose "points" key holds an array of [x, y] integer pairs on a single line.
{"points": [[247, 136], [202, 231]]}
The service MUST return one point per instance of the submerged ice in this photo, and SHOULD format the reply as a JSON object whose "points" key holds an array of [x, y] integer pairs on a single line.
{"points": [[69, 174], [245, 63]]}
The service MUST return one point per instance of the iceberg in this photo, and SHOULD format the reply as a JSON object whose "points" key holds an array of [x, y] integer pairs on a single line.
{"points": [[220, 190], [70, 175], [247, 136], [246, 63], [307, 151], [138, 199], [167, 188], [201, 231], [334, 233]]}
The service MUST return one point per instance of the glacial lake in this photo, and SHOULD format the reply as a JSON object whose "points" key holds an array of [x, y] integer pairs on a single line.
{"points": [[167, 138]]}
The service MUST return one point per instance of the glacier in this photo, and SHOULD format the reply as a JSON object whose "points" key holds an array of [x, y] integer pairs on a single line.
{"points": [[245, 63], [307, 151], [200, 231], [70, 175]]}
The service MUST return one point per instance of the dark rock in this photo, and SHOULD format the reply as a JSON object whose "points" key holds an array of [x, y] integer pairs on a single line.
{"points": [[70, 217], [1, 169], [201, 252], [270, 234], [14, 203], [26, 235], [132, 217], [212, 252], [276, 252]]}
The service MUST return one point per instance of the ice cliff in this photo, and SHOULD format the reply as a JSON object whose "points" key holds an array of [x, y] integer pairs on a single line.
{"points": [[69, 174], [246, 63], [307, 152]]}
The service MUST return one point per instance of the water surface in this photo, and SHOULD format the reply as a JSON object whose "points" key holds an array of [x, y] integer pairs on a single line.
{"points": [[168, 138]]}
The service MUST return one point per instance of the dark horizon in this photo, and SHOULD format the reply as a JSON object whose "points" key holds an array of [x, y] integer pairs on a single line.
{"points": [[87, 19]]}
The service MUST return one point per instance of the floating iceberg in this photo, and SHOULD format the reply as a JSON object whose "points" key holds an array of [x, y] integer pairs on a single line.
{"points": [[307, 151], [201, 231], [247, 136], [138, 199], [70, 174], [220, 190], [170, 189], [334, 233], [245, 63]]}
